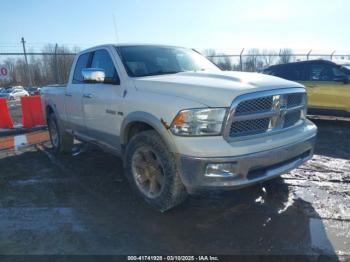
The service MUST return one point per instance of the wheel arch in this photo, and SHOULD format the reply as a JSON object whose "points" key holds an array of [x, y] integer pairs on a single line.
{"points": [[145, 121], [49, 110]]}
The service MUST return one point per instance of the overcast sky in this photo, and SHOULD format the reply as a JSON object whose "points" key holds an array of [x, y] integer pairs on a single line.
{"points": [[299, 24]]}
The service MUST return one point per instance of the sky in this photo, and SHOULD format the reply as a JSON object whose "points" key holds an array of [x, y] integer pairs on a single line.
{"points": [[225, 24]]}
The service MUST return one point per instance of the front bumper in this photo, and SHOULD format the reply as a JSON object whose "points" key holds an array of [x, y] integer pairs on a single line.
{"points": [[248, 169]]}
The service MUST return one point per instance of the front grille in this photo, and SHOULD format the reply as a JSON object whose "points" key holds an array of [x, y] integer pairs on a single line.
{"points": [[255, 105], [294, 100], [291, 118], [250, 127], [272, 111]]}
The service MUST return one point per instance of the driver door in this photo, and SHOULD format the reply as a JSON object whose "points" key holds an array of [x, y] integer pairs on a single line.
{"points": [[101, 102]]}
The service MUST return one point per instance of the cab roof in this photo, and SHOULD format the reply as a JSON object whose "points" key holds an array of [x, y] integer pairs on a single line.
{"points": [[303, 63]]}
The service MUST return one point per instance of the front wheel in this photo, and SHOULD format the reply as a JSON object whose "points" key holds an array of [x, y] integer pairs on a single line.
{"points": [[152, 172], [61, 141]]}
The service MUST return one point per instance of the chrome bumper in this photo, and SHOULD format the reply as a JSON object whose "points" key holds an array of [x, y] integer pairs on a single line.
{"points": [[249, 169]]}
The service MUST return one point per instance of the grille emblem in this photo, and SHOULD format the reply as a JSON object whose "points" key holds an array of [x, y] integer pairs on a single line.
{"points": [[279, 105]]}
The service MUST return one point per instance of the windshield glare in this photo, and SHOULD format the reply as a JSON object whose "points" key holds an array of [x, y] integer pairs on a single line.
{"points": [[152, 60]]}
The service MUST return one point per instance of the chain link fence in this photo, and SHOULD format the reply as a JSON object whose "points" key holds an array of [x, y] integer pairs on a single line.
{"points": [[255, 60], [52, 64]]}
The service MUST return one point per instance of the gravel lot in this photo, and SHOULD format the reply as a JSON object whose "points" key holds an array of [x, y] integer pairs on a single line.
{"points": [[82, 204]]}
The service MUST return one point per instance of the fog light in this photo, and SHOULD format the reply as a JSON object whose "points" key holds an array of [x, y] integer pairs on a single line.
{"points": [[220, 170]]}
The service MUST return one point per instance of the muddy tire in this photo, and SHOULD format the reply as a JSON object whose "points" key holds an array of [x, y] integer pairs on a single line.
{"points": [[152, 172], [61, 141]]}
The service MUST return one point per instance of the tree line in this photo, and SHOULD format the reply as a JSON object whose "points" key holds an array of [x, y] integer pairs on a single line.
{"points": [[51, 67], [254, 60]]}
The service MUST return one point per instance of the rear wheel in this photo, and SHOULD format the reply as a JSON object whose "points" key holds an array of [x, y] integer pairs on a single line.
{"points": [[61, 141], [152, 172]]}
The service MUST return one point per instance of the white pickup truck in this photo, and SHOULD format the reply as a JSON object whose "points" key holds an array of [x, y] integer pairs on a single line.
{"points": [[179, 122]]}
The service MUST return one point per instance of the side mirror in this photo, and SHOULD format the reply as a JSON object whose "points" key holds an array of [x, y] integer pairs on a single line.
{"points": [[93, 75]]}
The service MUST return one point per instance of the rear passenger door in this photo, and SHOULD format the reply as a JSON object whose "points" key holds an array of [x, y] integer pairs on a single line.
{"points": [[101, 102]]}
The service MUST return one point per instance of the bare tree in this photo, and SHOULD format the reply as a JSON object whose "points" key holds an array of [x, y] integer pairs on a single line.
{"points": [[209, 53], [253, 61], [268, 57], [221, 60], [64, 63], [285, 56], [225, 63]]}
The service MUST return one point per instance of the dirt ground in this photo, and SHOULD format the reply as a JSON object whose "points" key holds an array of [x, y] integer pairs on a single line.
{"points": [[82, 204]]}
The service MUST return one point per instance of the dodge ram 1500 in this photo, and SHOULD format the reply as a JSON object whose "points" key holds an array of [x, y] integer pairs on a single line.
{"points": [[180, 123]]}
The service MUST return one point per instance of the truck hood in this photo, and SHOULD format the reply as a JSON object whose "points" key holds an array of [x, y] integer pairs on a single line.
{"points": [[213, 89]]}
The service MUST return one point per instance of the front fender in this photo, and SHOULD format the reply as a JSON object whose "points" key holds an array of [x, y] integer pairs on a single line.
{"points": [[151, 120]]}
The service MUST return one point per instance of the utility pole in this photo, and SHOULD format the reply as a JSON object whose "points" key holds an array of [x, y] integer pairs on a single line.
{"points": [[241, 59], [26, 60], [56, 65]]}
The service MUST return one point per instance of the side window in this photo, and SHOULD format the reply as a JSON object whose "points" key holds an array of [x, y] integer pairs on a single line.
{"points": [[82, 62], [320, 72], [103, 60], [315, 72], [338, 74]]}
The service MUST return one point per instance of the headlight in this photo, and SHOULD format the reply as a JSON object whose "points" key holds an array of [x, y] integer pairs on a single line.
{"points": [[199, 122]]}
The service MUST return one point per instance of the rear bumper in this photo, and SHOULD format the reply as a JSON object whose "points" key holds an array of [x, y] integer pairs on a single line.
{"points": [[248, 169]]}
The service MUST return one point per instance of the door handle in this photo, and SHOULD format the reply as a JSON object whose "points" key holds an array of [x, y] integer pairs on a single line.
{"points": [[68, 94], [88, 95]]}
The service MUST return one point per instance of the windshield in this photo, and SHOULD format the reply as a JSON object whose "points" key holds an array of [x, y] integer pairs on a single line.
{"points": [[155, 60]]}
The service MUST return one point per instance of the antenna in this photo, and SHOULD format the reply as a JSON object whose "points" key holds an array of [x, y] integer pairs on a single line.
{"points": [[115, 29]]}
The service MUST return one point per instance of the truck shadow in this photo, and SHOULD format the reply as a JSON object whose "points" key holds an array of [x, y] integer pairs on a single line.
{"points": [[102, 215]]}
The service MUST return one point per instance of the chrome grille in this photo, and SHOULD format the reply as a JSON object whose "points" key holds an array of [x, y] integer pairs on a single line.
{"points": [[265, 112], [291, 118], [250, 127], [255, 105], [294, 100]]}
